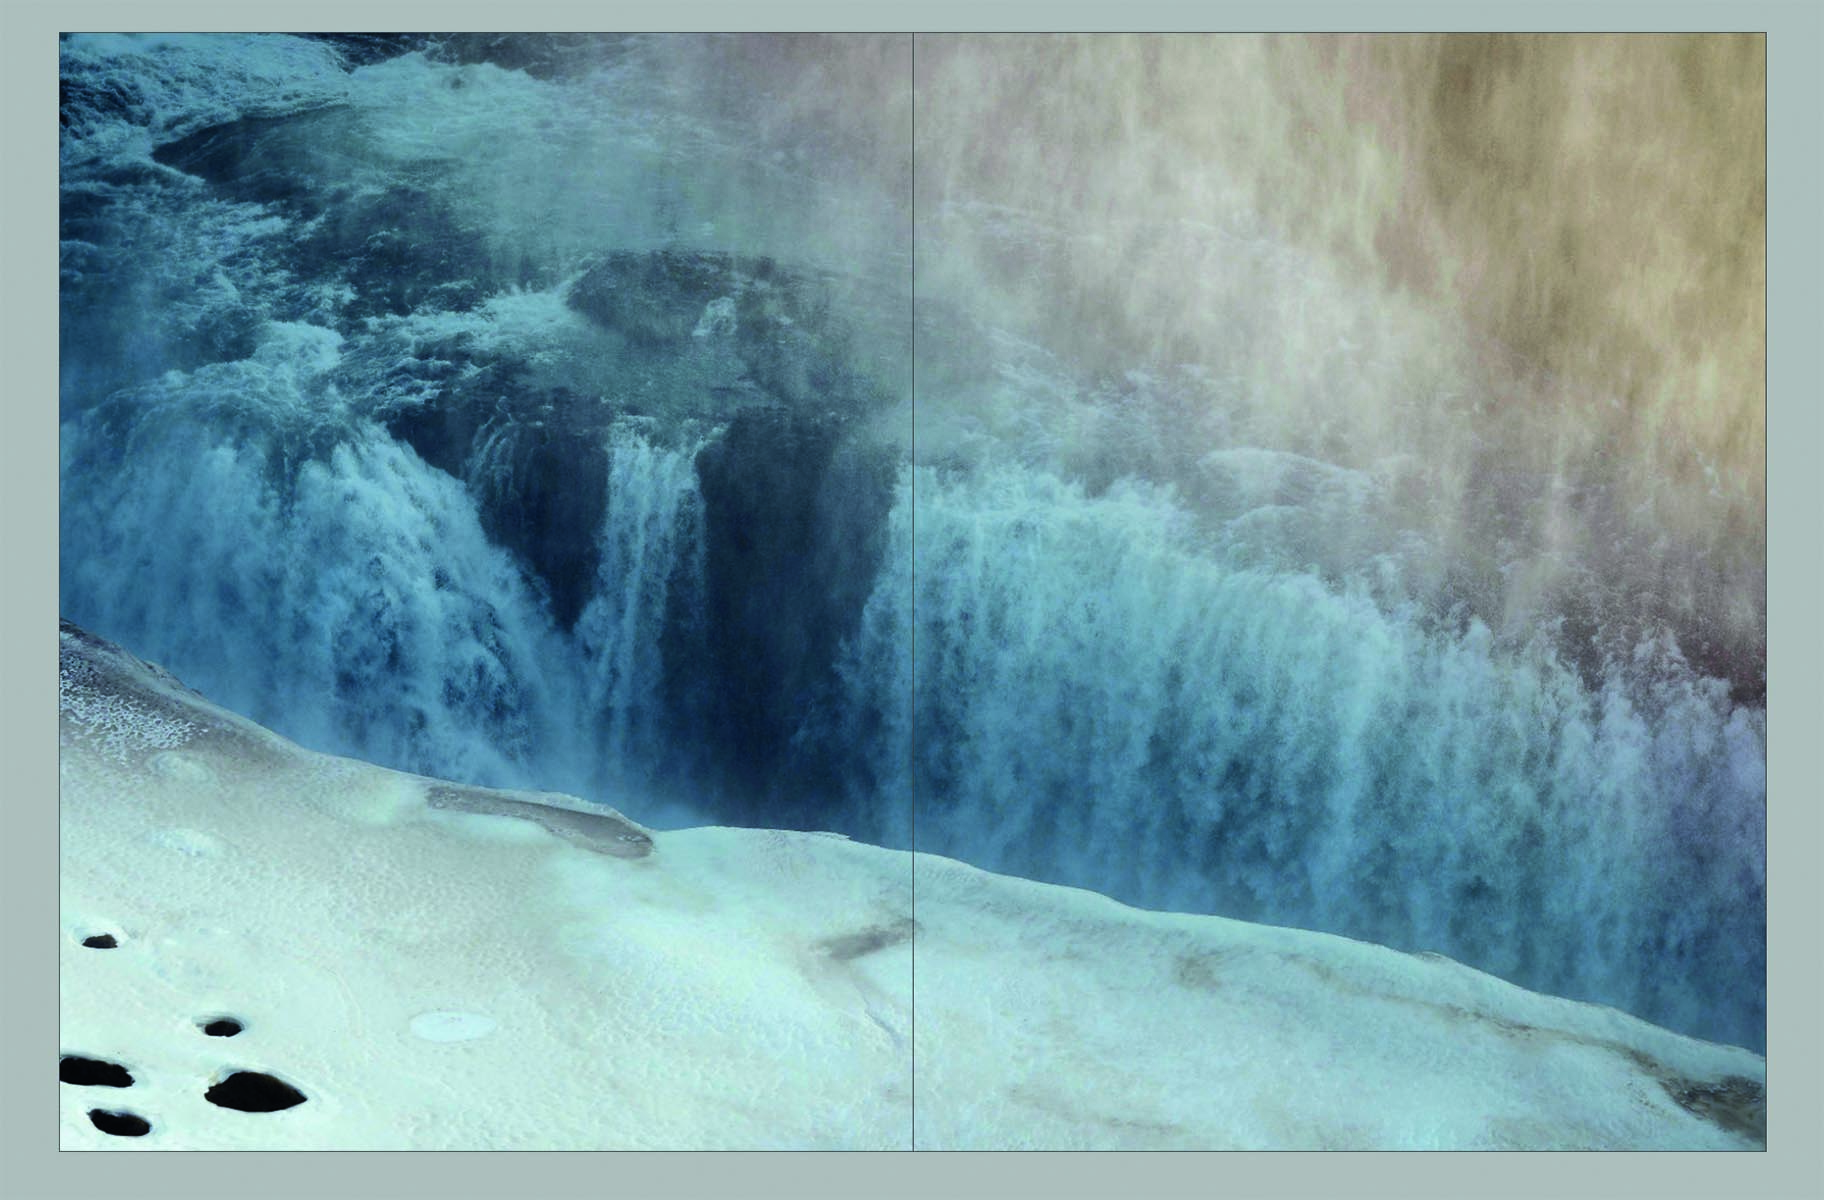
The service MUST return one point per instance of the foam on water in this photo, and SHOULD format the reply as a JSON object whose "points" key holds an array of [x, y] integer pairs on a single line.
{"points": [[143, 89]]}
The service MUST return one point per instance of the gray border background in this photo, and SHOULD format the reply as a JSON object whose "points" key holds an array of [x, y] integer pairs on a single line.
{"points": [[30, 1165]]}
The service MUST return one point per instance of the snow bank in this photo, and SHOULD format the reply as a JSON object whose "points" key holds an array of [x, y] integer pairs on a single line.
{"points": [[311, 952]]}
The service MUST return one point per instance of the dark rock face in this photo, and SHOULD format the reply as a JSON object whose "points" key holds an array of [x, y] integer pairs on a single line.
{"points": [[794, 522], [539, 472]]}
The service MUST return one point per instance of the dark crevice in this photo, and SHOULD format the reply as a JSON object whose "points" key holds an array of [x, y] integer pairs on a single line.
{"points": [[541, 485], [795, 516]]}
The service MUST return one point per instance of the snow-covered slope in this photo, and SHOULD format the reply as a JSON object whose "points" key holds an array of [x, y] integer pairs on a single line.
{"points": [[433, 966]]}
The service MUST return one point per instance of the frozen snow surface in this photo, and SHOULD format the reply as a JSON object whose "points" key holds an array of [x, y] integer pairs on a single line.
{"points": [[435, 966]]}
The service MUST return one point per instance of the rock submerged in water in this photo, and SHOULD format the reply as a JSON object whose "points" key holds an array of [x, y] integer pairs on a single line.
{"points": [[787, 329], [658, 298]]}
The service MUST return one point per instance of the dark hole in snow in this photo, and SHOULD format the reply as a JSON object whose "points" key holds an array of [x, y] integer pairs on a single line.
{"points": [[222, 1027], [100, 941], [92, 1072], [251, 1091], [120, 1124]]}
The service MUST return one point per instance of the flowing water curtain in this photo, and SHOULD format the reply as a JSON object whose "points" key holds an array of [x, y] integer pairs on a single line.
{"points": [[1230, 576]]}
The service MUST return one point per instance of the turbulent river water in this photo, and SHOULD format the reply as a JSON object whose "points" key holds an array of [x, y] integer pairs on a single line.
{"points": [[612, 415]]}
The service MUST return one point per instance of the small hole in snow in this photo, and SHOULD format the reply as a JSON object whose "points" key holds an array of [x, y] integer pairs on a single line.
{"points": [[120, 1124], [252, 1091], [100, 941], [92, 1072], [222, 1027]]}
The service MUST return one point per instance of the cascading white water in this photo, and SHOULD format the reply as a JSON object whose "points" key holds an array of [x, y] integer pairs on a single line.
{"points": [[234, 503], [1099, 698], [1237, 587], [652, 542], [1339, 498], [359, 607]]}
